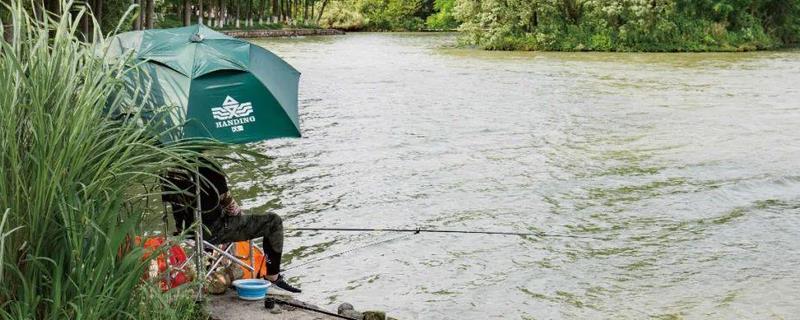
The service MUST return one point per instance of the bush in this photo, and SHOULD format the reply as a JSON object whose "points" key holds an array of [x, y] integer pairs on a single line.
{"points": [[443, 19], [374, 15], [75, 181], [342, 17], [671, 25]]}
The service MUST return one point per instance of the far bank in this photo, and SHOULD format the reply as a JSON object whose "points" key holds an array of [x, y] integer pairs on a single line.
{"points": [[271, 33]]}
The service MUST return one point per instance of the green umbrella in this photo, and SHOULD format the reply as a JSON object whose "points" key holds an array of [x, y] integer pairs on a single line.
{"points": [[217, 86]]}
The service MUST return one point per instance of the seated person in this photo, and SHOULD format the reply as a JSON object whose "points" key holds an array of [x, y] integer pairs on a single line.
{"points": [[222, 216]]}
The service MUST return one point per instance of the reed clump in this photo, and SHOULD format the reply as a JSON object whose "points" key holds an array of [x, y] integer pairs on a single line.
{"points": [[75, 180]]}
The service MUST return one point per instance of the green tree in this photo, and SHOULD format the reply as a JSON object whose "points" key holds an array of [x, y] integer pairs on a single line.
{"points": [[443, 18], [649, 25]]}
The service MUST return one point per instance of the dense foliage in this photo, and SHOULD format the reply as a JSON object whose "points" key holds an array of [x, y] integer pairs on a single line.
{"points": [[391, 15], [76, 181], [172, 13], [630, 25], [443, 16], [377, 15]]}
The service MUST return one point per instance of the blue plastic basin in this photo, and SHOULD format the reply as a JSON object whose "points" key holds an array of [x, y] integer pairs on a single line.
{"points": [[251, 289]]}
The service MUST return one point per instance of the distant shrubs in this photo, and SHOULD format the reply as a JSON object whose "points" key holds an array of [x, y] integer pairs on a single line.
{"points": [[343, 17], [443, 18], [636, 25], [390, 15]]}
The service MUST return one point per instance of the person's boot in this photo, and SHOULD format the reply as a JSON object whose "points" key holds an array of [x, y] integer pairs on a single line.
{"points": [[280, 283]]}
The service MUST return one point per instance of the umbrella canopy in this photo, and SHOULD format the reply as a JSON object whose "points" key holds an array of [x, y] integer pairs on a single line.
{"points": [[216, 86]]}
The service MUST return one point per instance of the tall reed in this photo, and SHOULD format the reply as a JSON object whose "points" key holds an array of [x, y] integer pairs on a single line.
{"points": [[70, 176]]}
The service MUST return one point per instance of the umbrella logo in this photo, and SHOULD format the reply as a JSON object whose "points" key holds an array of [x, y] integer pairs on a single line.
{"points": [[233, 114], [232, 109]]}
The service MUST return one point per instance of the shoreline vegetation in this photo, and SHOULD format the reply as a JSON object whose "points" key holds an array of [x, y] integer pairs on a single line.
{"points": [[530, 25], [269, 33], [79, 176], [637, 25]]}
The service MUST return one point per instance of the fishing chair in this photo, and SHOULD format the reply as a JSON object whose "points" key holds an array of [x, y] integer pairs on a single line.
{"points": [[213, 255], [217, 255]]}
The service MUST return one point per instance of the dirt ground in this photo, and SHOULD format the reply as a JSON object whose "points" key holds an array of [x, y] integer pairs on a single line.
{"points": [[229, 307]]}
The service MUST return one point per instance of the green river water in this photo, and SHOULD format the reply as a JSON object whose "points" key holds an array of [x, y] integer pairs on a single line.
{"points": [[686, 163]]}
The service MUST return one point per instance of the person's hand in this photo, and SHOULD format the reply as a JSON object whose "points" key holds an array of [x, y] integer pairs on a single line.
{"points": [[229, 205]]}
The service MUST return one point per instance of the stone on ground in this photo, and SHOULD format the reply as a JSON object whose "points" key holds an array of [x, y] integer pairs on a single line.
{"points": [[374, 315], [229, 307]]}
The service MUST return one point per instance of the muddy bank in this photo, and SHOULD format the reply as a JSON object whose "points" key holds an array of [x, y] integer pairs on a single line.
{"points": [[268, 33]]}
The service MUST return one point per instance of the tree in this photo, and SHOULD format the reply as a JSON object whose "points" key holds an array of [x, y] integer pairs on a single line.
{"points": [[238, 4], [187, 12], [98, 13], [262, 11], [151, 12], [276, 10], [223, 14], [322, 10], [249, 13], [137, 21]]}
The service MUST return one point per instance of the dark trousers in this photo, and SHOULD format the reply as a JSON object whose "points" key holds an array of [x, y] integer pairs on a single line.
{"points": [[248, 227]]}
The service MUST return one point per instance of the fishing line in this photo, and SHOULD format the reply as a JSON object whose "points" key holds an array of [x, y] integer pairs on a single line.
{"points": [[375, 243], [411, 232], [420, 230]]}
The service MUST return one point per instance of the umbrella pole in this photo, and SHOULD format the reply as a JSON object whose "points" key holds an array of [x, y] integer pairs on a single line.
{"points": [[198, 235]]}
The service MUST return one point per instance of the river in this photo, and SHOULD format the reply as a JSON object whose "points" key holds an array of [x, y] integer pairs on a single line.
{"points": [[685, 165]]}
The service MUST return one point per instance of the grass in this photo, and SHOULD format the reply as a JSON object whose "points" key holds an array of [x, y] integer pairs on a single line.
{"points": [[75, 180]]}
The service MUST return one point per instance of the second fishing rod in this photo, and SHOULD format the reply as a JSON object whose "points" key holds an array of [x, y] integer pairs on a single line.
{"points": [[427, 230]]}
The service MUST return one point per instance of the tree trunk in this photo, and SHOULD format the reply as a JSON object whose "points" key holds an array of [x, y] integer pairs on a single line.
{"points": [[143, 14], [151, 12], [322, 10], [39, 11], [222, 20], [200, 13], [238, 5], [99, 13], [217, 14], [212, 14], [289, 11], [283, 10], [137, 22], [249, 13], [53, 6], [187, 12], [276, 10], [87, 30], [262, 11]]}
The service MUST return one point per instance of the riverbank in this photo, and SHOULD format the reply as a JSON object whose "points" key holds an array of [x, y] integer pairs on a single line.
{"points": [[229, 307], [663, 26], [272, 33]]}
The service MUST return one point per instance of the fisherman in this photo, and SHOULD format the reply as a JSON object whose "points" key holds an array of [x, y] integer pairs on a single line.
{"points": [[222, 216]]}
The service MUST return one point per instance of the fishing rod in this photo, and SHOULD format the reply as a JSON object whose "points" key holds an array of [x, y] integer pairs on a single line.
{"points": [[423, 230], [270, 302], [412, 232]]}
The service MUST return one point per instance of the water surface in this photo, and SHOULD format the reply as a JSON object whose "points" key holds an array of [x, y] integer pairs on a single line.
{"points": [[687, 163]]}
